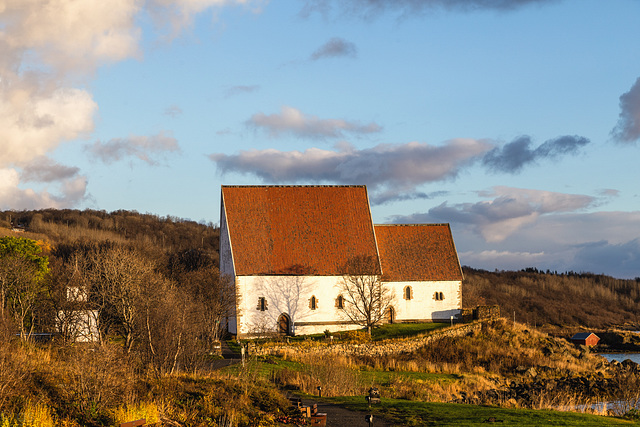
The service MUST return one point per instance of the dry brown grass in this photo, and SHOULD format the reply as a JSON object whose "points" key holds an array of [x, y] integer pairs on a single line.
{"points": [[337, 375], [502, 347], [31, 415], [71, 233], [102, 386], [469, 367], [79, 382]]}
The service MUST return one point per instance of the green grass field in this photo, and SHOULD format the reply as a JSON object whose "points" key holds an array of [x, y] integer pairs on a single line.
{"points": [[384, 378], [404, 330], [408, 413]]}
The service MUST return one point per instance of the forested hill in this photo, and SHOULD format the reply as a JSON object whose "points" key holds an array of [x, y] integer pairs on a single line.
{"points": [[535, 297], [66, 226], [153, 281], [567, 299]]}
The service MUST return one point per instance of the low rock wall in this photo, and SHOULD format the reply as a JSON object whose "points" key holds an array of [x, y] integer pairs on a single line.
{"points": [[373, 349]]}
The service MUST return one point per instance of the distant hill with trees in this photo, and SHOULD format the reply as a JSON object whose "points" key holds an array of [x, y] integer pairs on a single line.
{"points": [[567, 299], [183, 250], [150, 287], [67, 225], [148, 280]]}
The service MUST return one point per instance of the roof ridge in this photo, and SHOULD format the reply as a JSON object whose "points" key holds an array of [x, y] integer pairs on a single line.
{"points": [[293, 186], [416, 224]]}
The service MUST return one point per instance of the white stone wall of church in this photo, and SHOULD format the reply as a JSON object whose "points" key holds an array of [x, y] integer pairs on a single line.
{"points": [[423, 304], [227, 270], [290, 295], [226, 260]]}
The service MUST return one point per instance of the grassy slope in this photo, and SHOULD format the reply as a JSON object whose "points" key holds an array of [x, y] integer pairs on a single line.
{"points": [[410, 412]]}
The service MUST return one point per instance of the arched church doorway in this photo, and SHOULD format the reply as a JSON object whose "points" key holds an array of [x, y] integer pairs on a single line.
{"points": [[284, 324], [391, 314]]}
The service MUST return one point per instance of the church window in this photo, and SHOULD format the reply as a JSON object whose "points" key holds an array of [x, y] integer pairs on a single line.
{"points": [[262, 304], [408, 293], [439, 296], [340, 302], [313, 303]]}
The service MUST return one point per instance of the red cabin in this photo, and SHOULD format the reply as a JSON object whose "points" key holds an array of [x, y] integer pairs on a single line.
{"points": [[585, 338]]}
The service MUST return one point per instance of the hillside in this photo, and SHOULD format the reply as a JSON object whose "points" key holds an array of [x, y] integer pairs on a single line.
{"points": [[67, 225], [570, 300], [155, 283], [535, 297], [153, 280]]}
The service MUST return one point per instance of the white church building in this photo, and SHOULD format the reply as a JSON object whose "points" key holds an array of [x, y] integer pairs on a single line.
{"points": [[284, 249]]}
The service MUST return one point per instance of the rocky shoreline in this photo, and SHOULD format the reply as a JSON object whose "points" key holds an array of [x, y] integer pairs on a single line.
{"points": [[530, 389]]}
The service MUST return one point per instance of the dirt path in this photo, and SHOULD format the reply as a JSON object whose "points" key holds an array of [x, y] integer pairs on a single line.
{"points": [[230, 357], [337, 416]]}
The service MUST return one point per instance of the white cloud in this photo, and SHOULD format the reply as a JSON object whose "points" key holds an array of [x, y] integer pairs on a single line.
{"points": [[335, 47], [45, 46], [293, 121], [601, 242], [72, 191], [510, 210], [628, 128], [145, 148], [72, 34], [48, 49], [597, 242], [178, 14], [43, 169], [33, 124], [386, 167]]}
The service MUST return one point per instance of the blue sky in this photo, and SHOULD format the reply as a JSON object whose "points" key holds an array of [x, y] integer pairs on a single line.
{"points": [[516, 121]]}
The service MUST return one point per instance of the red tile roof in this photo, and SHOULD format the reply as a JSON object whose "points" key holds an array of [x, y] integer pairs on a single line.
{"points": [[286, 229], [417, 252]]}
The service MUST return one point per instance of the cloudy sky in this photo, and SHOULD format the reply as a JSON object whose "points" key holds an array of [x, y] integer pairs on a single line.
{"points": [[516, 121]]}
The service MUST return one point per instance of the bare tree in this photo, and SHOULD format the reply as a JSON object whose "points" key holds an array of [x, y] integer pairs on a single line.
{"points": [[166, 325], [214, 301], [365, 298], [195, 272], [180, 315], [118, 276]]}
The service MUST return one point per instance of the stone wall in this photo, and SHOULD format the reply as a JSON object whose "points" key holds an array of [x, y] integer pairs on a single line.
{"points": [[373, 349], [483, 312]]}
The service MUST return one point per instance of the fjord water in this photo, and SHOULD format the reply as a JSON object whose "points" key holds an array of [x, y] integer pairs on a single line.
{"points": [[635, 357]]}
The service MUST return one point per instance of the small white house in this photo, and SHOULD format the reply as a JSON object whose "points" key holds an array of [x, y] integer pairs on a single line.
{"points": [[284, 249], [77, 322]]}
